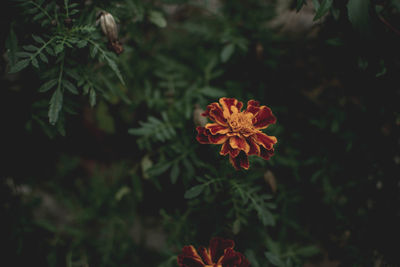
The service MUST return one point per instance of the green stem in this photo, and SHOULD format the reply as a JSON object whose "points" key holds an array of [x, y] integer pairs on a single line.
{"points": [[66, 8]]}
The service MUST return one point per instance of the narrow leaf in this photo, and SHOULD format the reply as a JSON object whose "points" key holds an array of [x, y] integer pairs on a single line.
{"points": [[81, 43], [43, 58], [157, 18], [38, 39], [19, 65], [70, 87], [227, 52], [31, 48], [35, 62], [358, 12], [114, 67], [323, 9], [92, 97], [56, 102], [275, 260], [175, 173], [194, 191], [47, 86]]}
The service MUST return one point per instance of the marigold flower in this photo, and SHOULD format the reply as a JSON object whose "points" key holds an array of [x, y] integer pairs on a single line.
{"points": [[239, 132], [220, 253]]}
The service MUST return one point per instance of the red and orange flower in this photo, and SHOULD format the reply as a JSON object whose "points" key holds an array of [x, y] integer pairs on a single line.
{"points": [[239, 132], [220, 253]]}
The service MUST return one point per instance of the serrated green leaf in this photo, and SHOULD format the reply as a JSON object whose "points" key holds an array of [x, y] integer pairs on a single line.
{"points": [[56, 103], [212, 92], [175, 173], [58, 48], [358, 12], [73, 74], [35, 62], [93, 51], [43, 58], [70, 87], [275, 260], [19, 65], [323, 9], [31, 48], [47, 86], [73, 12], [114, 67], [60, 126], [81, 43], [227, 52], [158, 19], [49, 51], [38, 16], [38, 39], [92, 97], [159, 168], [194, 191], [86, 87], [23, 54]]}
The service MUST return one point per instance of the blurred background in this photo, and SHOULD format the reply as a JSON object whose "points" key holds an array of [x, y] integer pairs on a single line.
{"points": [[100, 163]]}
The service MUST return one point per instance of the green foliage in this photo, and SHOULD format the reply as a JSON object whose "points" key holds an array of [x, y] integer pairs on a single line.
{"points": [[123, 180], [57, 53]]}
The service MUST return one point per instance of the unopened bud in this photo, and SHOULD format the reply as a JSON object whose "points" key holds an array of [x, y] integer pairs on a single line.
{"points": [[269, 178], [198, 119], [108, 26]]}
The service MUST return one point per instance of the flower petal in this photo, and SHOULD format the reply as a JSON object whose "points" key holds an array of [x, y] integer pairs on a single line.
{"points": [[265, 140], [244, 262], [217, 139], [216, 128], [253, 107], [230, 258], [266, 154], [226, 148], [205, 255], [254, 147], [229, 105], [241, 161], [215, 113], [238, 142], [190, 258], [263, 118], [202, 136], [218, 246]]}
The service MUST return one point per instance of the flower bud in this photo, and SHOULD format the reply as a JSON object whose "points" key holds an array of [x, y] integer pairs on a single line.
{"points": [[198, 119], [108, 26]]}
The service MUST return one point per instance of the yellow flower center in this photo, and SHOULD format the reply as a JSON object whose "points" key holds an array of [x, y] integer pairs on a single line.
{"points": [[241, 122]]}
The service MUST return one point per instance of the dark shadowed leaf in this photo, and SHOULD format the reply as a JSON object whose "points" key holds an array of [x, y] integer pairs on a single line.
{"points": [[194, 191], [358, 12], [47, 85], [323, 9], [227, 52], [157, 18], [19, 65], [56, 102]]}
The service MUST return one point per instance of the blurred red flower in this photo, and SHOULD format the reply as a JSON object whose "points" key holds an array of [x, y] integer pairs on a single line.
{"points": [[220, 253], [239, 132]]}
